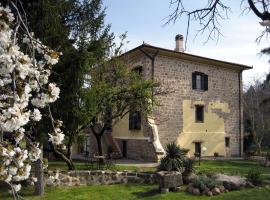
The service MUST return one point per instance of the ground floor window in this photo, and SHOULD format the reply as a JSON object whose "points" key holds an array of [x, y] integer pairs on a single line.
{"points": [[134, 120]]}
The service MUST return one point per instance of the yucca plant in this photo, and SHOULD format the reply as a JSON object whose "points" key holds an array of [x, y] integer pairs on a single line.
{"points": [[174, 159]]}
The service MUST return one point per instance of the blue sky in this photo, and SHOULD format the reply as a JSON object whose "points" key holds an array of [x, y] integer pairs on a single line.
{"points": [[144, 21]]}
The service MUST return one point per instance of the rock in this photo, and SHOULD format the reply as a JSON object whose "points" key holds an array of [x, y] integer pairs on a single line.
{"points": [[196, 191], [209, 193], [177, 189], [188, 178], [205, 191], [230, 182], [190, 188], [222, 188], [215, 191], [164, 190], [250, 185]]}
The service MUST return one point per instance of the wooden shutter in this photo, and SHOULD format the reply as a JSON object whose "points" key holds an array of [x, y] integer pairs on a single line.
{"points": [[194, 80], [205, 78]]}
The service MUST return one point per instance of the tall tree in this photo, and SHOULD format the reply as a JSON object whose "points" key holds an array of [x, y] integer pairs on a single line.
{"points": [[114, 89], [256, 109], [77, 29]]}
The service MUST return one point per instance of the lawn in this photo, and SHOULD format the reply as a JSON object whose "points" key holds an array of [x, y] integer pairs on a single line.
{"points": [[132, 192], [234, 167], [149, 192], [82, 165]]}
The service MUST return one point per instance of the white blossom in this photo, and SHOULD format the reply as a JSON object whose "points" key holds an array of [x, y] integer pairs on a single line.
{"points": [[36, 115], [25, 79]]}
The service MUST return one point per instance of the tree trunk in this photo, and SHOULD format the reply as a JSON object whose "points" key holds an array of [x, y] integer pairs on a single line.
{"points": [[68, 161], [69, 146], [98, 138], [39, 185]]}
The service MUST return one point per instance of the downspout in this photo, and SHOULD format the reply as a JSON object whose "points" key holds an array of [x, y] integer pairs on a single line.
{"points": [[156, 142], [240, 112], [152, 58]]}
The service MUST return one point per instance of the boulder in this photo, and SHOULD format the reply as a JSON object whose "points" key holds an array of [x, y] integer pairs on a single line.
{"points": [[196, 191], [190, 188], [205, 192], [215, 191], [209, 193], [222, 188], [230, 182]]}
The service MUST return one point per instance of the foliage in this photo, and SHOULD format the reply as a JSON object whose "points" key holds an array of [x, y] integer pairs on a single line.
{"points": [[197, 155], [114, 90], [203, 182], [255, 176], [256, 110], [174, 159], [77, 29], [189, 165]]}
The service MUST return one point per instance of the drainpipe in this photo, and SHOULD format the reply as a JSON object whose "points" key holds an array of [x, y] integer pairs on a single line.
{"points": [[240, 112], [152, 58]]}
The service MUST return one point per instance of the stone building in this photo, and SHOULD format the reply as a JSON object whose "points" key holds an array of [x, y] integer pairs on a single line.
{"points": [[203, 111]]}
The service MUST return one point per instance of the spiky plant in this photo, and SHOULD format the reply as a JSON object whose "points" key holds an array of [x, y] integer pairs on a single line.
{"points": [[174, 159]]}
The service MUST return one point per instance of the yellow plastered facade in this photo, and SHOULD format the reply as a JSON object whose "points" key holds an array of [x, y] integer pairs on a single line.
{"points": [[211, 133], [121, 130]]}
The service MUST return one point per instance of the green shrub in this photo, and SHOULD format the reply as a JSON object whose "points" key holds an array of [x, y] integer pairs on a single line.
{"points": [[197, 155], [189, 165], [255, 176], [216, 154], [174, 159], [203, 182]]}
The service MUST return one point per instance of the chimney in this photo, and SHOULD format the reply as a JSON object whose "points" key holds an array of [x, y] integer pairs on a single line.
{"points": [[179, 43]]}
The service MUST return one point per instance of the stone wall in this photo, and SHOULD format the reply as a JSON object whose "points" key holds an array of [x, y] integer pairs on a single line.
{"points": [[75, 178], [139, 149], [176, 74]]}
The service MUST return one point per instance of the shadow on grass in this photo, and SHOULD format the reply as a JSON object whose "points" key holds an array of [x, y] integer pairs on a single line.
{"points": [[149, 193]]}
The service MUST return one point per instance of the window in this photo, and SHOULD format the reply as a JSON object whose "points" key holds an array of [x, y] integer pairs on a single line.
{"points": [[134, 120], [138, 70], [227, 142], [199, 81], [199, 113]]}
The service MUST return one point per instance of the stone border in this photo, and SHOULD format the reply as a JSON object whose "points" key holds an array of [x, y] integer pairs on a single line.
{"points": [[98, 177]]}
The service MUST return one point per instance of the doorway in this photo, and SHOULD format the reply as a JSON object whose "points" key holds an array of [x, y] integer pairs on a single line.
{"points": [[198, 148]]}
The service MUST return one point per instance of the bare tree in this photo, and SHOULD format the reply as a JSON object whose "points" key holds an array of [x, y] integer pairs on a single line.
{"points": [[256, 107], [209, 17]]}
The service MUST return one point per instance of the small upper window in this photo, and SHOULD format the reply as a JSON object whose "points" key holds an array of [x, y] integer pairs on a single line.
{"points": [[199, 115], [138, 70], [199, 81]]}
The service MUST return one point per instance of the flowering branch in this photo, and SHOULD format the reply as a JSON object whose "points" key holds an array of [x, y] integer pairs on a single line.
{"points": [[25, 88]]}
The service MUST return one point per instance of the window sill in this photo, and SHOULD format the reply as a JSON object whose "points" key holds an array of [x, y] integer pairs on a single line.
{"points": [[200, 90]]}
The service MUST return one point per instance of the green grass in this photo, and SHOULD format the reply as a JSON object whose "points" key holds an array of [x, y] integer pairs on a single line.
{"points": [[233, 167], [132, 192], [82, 165], [149, 192]]}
